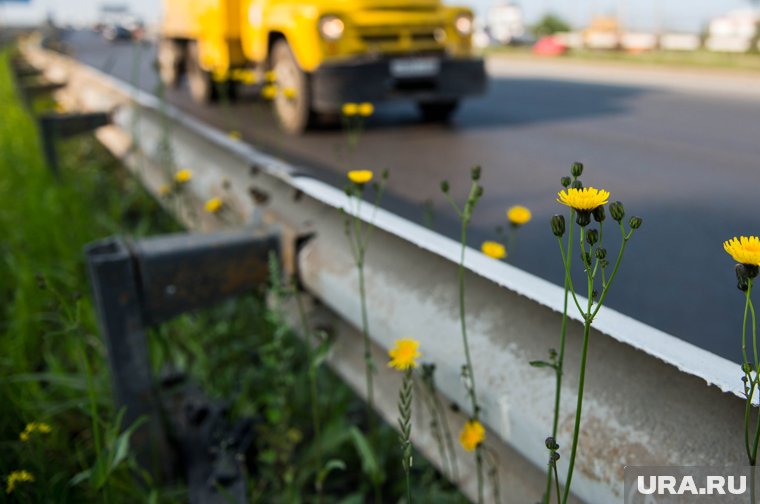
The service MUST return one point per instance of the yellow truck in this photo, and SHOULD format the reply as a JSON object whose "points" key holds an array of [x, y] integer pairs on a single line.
{"points": [[324, 53]]}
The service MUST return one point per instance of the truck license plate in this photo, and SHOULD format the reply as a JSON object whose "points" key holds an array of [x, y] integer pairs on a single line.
{"points": [[415, 67]]}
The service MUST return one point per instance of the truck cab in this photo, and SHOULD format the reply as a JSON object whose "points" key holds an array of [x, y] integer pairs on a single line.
{"points": [[324, 53]]}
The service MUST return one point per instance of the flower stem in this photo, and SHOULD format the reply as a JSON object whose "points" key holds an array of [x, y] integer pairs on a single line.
{"points": [[558, 370], [405, 422], [313, 389], [748, 375], [578, 409]]}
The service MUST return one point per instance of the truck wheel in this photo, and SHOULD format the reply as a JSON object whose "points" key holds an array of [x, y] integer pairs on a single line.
{"points": [[440, 111], [170, 60], [292, 105], [202, 86]]}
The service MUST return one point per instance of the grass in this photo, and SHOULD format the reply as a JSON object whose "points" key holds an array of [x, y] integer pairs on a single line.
{"points": [[53, 367], [701, 59]]}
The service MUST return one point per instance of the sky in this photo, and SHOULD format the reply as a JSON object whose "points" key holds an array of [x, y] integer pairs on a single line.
{"points": [[678, 15]]}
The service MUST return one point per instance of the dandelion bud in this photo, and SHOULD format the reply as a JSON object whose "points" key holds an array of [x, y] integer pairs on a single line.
{"points": [[555, 456], [743, 284], [479, 192], [604, 262], [583, 219], [601, 253], [747, 368], [445, 186], [551, 443], [558, 226], [586, 258], [594, 294], [635, 222], [385, 174], [599, 214], [577, 184], [617, 211], [592, 236], [577, 170], [566, 181], [476, 173]]}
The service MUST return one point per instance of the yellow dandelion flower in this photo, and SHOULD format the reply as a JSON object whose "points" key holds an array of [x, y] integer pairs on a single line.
{"points": [[350, 109], [269, 92], [744, 250], [403, 355], [214, 205], [472, 435], [360, 177], [33, 427], [18, 477], [519, 215], [494, 250], [585, 199], [365, 109], [183, 176], [235, 135], [270, 76], [289, 93], [44, 428]]}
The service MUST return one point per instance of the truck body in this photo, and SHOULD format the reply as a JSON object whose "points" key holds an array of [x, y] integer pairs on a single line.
{"points": [[327, 52]]}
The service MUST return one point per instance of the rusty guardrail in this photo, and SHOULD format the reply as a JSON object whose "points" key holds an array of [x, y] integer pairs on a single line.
{"points": [[644, 388]]}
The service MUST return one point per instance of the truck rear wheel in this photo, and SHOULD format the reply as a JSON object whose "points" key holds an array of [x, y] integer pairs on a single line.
{"points": [[440, 111], [292, 105], [171, 57], [202, 86]]}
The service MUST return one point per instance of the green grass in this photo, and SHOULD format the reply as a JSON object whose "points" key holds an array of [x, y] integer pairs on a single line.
{"points": [[701, 59], [53, 367]]}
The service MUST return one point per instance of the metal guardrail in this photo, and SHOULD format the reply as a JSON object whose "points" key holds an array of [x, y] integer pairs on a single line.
{"points": [[142, 284], [53, 127], [651, 399]]}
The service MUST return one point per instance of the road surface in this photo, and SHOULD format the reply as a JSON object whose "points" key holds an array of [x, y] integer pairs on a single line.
{"points": [[682, 150]]}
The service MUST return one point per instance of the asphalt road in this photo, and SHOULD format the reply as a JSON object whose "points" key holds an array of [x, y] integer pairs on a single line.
{"points": [[683, 156]]}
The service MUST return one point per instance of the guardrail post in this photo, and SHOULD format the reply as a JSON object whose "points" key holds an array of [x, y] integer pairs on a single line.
{"points": [[142, 284], [54, 127], [116, 294]]}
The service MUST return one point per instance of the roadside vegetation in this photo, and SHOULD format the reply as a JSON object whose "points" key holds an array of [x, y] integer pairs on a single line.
{"points": [[60, 432], [314, 439]]}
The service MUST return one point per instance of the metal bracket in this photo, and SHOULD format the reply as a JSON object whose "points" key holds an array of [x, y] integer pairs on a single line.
{"points": [[57, 126], [140, 284]]}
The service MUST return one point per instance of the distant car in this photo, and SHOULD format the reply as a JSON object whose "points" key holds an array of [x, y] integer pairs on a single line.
{"points": [[114, 33]]}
